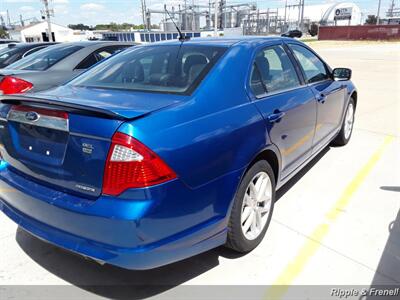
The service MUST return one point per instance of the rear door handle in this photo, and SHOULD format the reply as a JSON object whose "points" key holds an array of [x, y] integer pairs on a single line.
{"points": [[321, 98], [275, 117]]}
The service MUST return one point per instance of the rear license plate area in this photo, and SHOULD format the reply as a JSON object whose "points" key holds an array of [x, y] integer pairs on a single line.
{"points": [[38, 134]]}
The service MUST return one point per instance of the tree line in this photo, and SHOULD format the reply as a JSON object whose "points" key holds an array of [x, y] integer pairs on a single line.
{"points": [[111, 26]]}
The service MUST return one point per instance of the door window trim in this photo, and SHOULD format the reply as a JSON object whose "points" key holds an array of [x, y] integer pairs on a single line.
{"points": [[33, 50], [273, 93], [327, 68], [97, 50]]}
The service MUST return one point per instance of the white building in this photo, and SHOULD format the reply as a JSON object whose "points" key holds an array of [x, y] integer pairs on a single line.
{"points": [[344, 13], [39, 33]]}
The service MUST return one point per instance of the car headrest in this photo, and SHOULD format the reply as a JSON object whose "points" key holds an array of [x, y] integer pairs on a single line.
{"points": [[263, 66], [133, 72], [192, 60]]}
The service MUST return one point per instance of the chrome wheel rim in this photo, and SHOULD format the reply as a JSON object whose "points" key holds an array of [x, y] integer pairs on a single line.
{"points": [[349, 121], [256, 205]]}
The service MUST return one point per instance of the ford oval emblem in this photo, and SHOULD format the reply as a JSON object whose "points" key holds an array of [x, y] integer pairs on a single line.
{"points": [[32, 116]]}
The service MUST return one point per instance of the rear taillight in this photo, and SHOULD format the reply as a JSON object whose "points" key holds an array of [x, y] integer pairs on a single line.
{"points": [[130, 164], [13, 85]]}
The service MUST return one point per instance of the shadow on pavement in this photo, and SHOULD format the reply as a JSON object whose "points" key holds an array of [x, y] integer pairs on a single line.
{"points": [[391, 188], [113, 282], [389, 264], [285, 188], [116, 283], [387, 274]]}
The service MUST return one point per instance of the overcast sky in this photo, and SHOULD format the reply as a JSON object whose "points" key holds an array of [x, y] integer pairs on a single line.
{"points": [[93, 12]]}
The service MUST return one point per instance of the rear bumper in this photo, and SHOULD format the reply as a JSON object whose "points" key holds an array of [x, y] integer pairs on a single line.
{"points": [[133, 234]]}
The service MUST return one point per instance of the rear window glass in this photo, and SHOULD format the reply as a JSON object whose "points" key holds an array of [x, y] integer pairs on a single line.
{"points": [[44, 59], [162, 68]]}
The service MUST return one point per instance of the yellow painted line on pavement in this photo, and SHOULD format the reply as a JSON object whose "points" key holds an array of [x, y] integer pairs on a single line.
{"points": [[294, 268]]}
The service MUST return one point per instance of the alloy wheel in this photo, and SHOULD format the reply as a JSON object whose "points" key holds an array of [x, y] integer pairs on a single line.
{"points": [[349, 121], [256, 205]]}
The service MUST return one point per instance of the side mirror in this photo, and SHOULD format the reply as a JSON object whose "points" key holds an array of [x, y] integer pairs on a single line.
{"points": [[341, 74]]}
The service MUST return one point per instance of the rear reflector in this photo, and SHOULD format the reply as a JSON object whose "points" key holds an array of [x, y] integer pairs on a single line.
{"points": [[13, 85], [130, 164]]}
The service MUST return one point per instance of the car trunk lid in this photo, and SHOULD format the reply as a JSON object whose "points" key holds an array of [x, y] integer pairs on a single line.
{"points": [[64, 142]]}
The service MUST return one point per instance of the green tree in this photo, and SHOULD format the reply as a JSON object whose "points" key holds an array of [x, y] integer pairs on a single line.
{"points": [[3, 34], [313, 31], [123, 26], [79, 26], [371, 20]]}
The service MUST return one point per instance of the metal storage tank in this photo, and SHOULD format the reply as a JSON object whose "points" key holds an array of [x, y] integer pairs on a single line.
{"points": [[169, 26], [241, 16]]}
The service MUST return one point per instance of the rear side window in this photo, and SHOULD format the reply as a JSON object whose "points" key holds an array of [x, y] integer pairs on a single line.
{"points": [[34, 50], [163, 69], [314, 69], [42, 60], [8, 56], [99, 55], [273, 71]]}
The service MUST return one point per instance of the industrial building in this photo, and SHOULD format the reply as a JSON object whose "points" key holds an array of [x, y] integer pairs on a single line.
{"points": [[248, 19], [145, 36], [339, 14], [275, 21], [238, 19], [38, 32]]}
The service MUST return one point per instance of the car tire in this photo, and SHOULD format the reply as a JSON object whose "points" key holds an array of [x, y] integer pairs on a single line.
{"points": [[346, 130], [255, 199]]}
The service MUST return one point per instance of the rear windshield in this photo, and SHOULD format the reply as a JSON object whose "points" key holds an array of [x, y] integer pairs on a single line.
{"points": [[44, 59], [174, 69]]}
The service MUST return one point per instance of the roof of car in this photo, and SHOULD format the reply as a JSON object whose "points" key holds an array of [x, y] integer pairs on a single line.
{"points": [[28, 45], [91, 43], [227, 41]]}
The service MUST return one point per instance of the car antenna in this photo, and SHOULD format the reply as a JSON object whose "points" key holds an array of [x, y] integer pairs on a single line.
{"points": [[182, 37]]}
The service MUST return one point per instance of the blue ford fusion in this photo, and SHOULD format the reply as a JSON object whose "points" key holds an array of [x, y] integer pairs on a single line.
{"points": [[168, 150]]}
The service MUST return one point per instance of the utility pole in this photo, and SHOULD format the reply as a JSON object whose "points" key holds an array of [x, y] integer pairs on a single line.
{"points": [[285, 11], [216, 18], [47, 14], [379, 10], [143, 3], [302, 14], [391, 10], [8, 18], [186, 19], [22, 21]]}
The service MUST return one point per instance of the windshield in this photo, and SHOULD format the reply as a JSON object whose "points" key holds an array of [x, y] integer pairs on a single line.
{"points": [[44, 59], [160, 68]]}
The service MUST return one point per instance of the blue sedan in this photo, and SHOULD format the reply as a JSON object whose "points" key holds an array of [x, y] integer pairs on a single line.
{"points": [[168, 150]]}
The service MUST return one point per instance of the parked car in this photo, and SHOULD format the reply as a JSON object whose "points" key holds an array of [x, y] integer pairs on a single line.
{"points": [[55, 65], [295, 33], [170, 149], [15, 51], [5, 42]]}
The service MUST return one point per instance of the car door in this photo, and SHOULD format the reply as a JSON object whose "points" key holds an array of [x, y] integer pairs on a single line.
{"points": [[287, 105], [330, 94]]}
